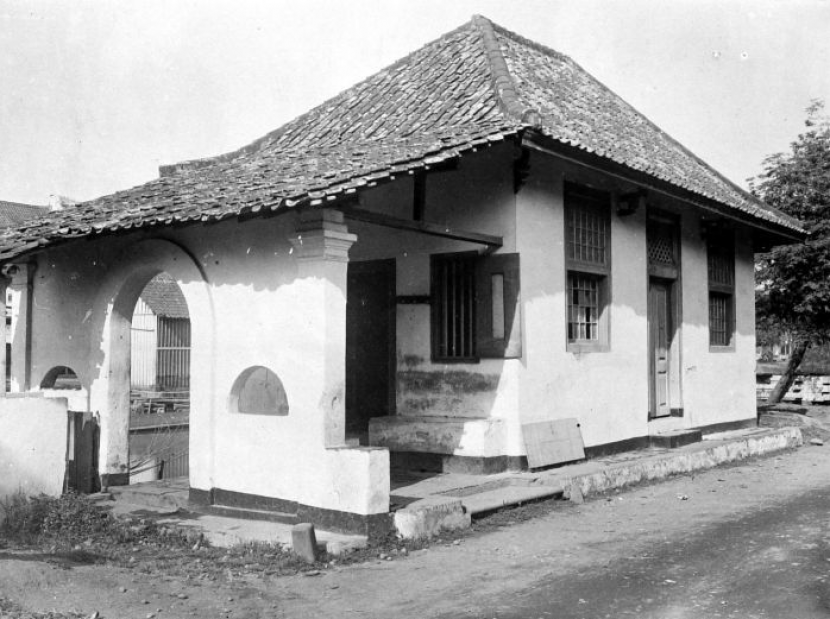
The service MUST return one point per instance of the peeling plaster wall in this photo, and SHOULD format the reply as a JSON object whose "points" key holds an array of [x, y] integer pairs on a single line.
{"points": [[606, 391], [477, 197], [247, 307]]}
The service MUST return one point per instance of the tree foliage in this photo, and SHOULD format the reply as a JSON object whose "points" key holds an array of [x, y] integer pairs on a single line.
{"points": [[793, 291]]}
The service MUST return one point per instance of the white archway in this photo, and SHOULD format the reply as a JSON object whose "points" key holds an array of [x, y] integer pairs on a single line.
{"points": [[110, 390]]}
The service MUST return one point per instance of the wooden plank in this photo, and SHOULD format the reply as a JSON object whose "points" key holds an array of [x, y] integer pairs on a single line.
{"points": [[424, 227], [553, 442]]}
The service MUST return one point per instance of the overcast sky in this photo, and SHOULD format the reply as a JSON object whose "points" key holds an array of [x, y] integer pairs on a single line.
{"points": [[95, 95]]}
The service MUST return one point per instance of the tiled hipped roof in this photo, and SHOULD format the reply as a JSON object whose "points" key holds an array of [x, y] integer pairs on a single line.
{"points": [[474, 86], [164, 297]]}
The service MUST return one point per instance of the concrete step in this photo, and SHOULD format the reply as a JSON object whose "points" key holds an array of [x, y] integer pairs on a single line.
{"points": [[675, 438], [489, 501]]}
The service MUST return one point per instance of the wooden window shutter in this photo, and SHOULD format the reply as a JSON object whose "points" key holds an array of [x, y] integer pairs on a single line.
{"points": [[498, 307]]}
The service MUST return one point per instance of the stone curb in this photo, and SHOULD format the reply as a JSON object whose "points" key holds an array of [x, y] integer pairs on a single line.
{"points": [[698, 458], [427, 517]]}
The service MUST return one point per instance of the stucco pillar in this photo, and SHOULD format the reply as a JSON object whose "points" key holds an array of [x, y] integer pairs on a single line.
{"points": [[321, 244], [22, 283], [4, 330]]}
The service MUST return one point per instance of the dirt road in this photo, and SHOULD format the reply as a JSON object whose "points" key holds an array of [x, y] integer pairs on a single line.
{"points": [[497, 572]]}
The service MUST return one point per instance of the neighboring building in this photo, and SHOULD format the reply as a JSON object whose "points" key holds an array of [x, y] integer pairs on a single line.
{"points": [[812, 381], [159, 382], [479, 239], [160, 347], [13, 214]]}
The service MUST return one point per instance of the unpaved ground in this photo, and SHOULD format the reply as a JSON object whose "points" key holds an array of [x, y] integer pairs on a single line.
{"points": [[477, 577]]}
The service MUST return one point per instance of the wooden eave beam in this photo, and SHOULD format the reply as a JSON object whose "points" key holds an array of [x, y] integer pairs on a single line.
{"points": [[422, 227]]}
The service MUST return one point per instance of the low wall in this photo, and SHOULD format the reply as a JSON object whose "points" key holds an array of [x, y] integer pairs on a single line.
{"points": [[33, 445]]}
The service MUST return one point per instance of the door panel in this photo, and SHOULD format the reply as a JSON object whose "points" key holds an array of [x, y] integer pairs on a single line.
{"points": [[659, 326]]}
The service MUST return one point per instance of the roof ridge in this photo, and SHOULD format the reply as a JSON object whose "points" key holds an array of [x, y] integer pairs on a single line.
{"points": [[503, 85], [564, 57]]}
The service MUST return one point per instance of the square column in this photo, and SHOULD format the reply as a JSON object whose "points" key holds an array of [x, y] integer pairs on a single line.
{"points": [[21, 334], [4, 330], [321, 245]]}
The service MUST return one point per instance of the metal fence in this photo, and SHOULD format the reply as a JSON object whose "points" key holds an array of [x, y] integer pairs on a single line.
{"points": [[176, 465]]}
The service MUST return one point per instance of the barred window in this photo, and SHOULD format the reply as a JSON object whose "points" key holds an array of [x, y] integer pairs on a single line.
{"points": [[476, 310], [720, 258], [720, 319], [588, 226], [588, 261], [583, 307], [454, 332]]}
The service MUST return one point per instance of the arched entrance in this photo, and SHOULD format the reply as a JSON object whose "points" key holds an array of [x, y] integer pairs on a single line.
{"points": [[112, 393], [159, 382]]}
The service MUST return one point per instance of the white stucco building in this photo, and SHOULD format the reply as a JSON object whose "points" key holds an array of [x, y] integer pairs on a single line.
{"points": [[479, 237]]}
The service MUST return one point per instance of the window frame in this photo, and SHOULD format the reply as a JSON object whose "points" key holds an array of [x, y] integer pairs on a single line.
{"points": [[581, 198], [720, 243], [487, 341]]}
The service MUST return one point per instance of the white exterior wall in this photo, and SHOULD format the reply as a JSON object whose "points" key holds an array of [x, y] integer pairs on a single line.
{"points": [[33, 446], [477, 197], [718, 384], [253, 303], [249, 306], [606, 391]]}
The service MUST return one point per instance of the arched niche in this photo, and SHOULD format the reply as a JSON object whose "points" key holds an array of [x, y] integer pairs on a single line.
{"points": [[258, 391], [61, 377]]}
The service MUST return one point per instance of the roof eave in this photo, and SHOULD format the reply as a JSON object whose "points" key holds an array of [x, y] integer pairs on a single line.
{"points": [[771, 232]]}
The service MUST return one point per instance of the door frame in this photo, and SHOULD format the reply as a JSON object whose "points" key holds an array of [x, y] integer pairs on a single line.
{"points": [[669, 286], [670, 274], [386, 266]]}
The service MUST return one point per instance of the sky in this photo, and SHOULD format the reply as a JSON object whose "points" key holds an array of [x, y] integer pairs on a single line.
{"points": [[95, 95]]}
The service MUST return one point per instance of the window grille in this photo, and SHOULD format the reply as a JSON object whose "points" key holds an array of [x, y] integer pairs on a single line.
{"points": [[721, 266], [583, 307], [661, 246], [720, 319], [720, 254], [588, 261], [454, 321], [588, 233]]}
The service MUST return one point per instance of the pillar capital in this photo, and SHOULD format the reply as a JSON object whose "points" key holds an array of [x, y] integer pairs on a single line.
{"points": [[321, 235]]}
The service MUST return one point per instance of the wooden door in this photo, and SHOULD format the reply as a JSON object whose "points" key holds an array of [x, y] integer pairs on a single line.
{"points": [[370, 343], [659, 330]]}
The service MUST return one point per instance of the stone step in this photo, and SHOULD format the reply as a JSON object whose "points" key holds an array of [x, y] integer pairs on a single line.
{"points": [[675, 438], [483, 503]]}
